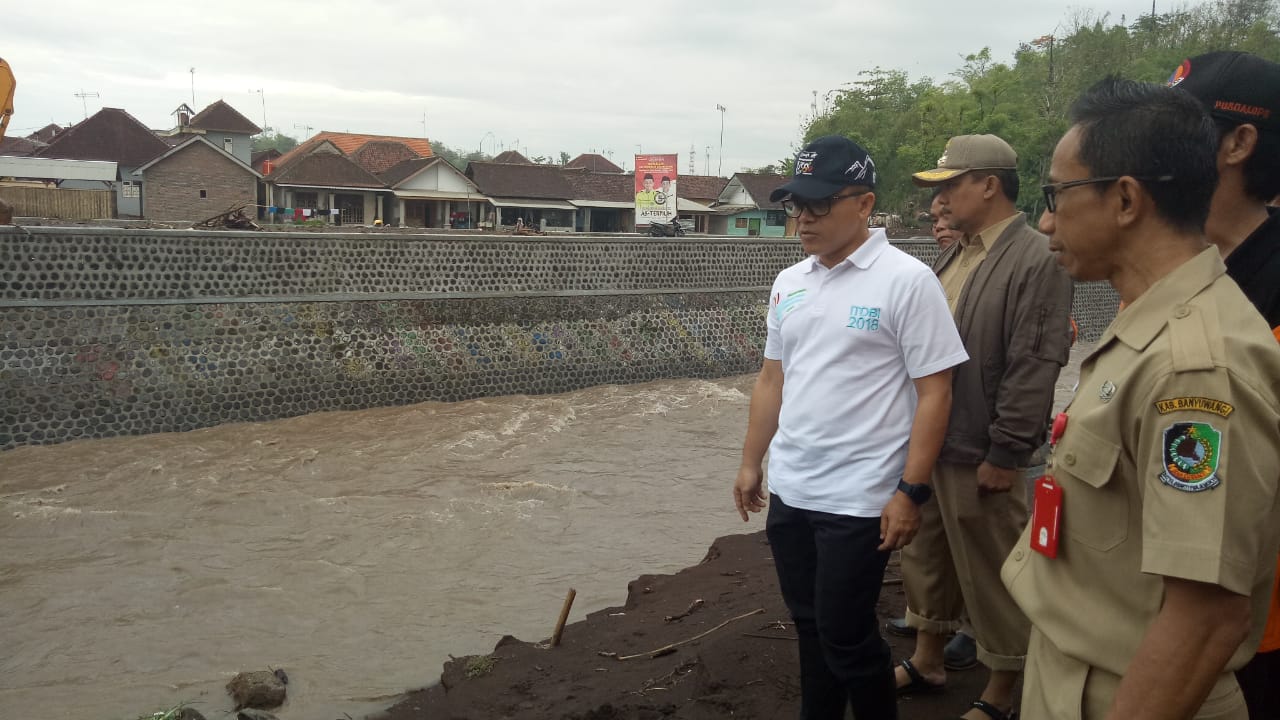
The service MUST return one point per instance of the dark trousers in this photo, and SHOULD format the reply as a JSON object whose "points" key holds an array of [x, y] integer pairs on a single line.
{"points": [[830, 573], [1260, 681]]}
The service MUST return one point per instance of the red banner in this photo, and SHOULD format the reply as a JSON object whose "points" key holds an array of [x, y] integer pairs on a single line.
{"points": [[655, 188]]}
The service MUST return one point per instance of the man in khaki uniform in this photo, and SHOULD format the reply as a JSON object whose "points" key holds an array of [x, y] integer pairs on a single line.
{"points": [[1012, 305], [1167, 463]]}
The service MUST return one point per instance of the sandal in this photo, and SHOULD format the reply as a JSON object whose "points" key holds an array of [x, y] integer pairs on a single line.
{"points": [[992, 711], [918, 684]]}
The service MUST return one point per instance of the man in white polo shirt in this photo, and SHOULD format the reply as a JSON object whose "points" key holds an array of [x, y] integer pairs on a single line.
{"points": [[851, 405]]}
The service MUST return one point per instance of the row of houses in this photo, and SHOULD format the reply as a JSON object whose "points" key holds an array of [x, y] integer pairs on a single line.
{"points": [[205, 165]]}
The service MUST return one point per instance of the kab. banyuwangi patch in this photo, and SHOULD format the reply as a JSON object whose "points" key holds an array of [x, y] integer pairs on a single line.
{"points": [[864, 318], [1191, 454]]}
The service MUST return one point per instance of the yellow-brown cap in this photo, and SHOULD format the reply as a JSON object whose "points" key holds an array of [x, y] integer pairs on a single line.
{"points": [[965, 153]]}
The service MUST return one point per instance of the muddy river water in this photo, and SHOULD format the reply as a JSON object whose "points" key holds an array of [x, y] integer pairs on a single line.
{"points": [[354, 549]]}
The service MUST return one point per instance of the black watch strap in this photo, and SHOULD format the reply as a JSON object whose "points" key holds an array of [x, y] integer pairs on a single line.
{"points": [[919, 494]]}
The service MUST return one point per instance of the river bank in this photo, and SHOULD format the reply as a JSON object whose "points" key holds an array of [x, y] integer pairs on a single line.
{"points": [[730, 652]]}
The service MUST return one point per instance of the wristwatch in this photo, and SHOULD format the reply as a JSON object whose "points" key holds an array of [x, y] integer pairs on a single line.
{"points": [[919, 494]]}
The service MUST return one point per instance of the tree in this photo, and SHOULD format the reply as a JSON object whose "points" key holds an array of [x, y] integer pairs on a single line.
{"points": [[274, 141], [905, 125]]}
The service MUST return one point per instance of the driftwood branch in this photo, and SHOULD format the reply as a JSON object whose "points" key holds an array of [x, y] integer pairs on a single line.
{"points": [[668, 648]]}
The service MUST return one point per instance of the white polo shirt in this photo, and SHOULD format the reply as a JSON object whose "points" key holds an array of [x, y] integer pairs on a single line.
{"points": [[851, 340]]}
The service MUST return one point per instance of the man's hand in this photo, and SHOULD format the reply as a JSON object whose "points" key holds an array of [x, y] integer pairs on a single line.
{"points": [[993, 479], [899, 522], [748, 495]]}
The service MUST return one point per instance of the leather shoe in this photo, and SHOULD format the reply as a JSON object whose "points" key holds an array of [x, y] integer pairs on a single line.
{"points": [[899, 627], [961, 652]]}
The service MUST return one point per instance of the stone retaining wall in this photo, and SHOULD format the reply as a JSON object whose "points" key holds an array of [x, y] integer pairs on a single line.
{"points": [[122, 331]]}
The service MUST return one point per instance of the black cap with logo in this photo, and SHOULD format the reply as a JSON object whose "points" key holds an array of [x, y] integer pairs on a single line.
{"points": [[1235, 86], [825, 166]]}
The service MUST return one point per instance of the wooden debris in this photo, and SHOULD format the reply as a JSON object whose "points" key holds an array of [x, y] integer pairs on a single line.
{"points": [[665, 649], [693, 606]]}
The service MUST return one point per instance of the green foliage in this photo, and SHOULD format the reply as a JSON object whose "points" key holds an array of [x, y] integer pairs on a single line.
{"points": [[905, 125], [279, 141], [455, 157], [479, 666]]}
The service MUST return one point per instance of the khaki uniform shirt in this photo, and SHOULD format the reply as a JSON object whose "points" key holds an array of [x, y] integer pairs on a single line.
{"points": [[973, 250], [1169, 468]]}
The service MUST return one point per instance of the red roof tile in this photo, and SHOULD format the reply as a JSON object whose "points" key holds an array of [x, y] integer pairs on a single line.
{"points": [[379, 156], [348, 143]]}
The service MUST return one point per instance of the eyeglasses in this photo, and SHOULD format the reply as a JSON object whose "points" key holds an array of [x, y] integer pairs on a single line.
{"points": [[793, 206], [1052, 189]]}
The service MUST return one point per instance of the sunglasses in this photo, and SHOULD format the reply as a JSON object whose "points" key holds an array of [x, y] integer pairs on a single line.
{"points": [[794, 206], [1052, 189]]}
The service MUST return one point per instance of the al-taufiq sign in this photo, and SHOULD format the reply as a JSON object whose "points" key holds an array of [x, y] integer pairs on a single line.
{"points": [[655, 188]]}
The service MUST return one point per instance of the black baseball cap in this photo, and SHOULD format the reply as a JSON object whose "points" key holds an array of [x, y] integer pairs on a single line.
{"points": [[827, 165], [1235, 86]]}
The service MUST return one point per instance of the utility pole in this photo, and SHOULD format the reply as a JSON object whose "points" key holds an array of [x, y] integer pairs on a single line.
{"points": [[693, 160], [193, 87], [424, 125], [707, 157], [263, 96], [720, 159], [82, 95]]}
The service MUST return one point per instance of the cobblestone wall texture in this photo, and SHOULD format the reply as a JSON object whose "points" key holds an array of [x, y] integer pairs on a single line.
{"points": [[111, 332]]}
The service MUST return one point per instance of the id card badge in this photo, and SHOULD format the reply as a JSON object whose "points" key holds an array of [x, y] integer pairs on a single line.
{"points": [[1046, 517]]}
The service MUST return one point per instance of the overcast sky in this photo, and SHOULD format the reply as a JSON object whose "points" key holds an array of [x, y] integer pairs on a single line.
{"points": [[540, 76]]}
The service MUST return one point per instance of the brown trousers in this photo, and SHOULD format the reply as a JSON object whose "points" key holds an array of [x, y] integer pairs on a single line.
{"points": [[953, 565]]}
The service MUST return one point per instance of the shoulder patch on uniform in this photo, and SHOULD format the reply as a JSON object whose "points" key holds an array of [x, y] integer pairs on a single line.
{"points": [[1191, 454], [1195, 404]]}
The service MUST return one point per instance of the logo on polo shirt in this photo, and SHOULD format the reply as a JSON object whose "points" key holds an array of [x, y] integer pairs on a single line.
{"points": [[864, 318], [782, 306]]}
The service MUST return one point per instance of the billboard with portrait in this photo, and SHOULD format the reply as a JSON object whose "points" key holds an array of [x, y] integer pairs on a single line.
{"points": [[655, 188]]}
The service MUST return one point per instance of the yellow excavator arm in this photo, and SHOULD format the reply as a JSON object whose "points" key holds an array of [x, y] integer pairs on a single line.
{"points": [[7, 83]]}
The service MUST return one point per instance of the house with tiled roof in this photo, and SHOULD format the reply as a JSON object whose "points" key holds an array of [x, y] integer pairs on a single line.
{"points": [[226, 128], [432, 193], [220, 124], [264, 161], [743, 207], [46, 133], [537, 194], [512, 157], [113, 135], [20, 147], [379, 156], [593, 162], [349, 143], [195, 180], [606, 201], [323, 179]]}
